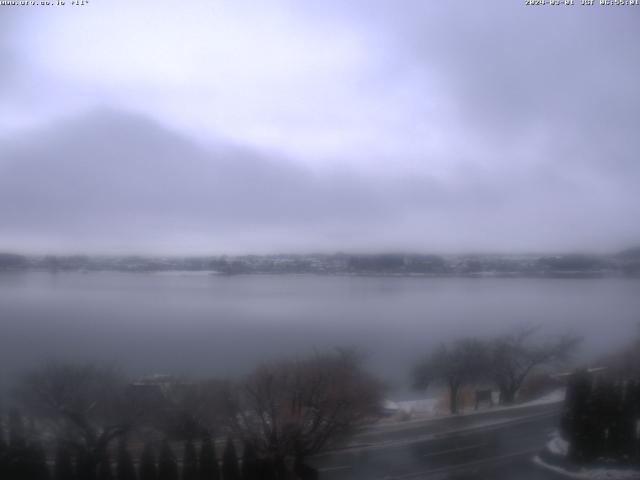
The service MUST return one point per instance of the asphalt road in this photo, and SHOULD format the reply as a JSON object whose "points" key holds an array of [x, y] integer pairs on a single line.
{"points": [[490, 446]]}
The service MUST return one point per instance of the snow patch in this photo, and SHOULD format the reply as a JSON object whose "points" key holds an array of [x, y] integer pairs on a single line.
{"points": [[558, 446], [591, 473], [424, 406], [551, 397], [428, 407]]}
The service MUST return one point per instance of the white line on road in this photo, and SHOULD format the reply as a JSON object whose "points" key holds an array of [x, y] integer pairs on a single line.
{"points": [[453, 450], [464, 466], [406, 427], [435, 437], [391, 426], [333, 469]]}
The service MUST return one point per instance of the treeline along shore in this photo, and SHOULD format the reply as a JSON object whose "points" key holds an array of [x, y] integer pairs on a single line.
{"points": [[568, 265]]}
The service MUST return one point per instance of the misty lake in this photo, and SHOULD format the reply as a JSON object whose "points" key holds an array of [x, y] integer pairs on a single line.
{"points": [[201, 324]]}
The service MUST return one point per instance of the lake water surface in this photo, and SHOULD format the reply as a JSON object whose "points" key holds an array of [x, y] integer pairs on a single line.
{"points": [[200, 324]]}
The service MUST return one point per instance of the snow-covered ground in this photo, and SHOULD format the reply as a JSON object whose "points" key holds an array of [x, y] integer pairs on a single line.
{"points": [[185, 273], [431, 407], [557, 448], [551, 397], [558, 445], [591, 473]]}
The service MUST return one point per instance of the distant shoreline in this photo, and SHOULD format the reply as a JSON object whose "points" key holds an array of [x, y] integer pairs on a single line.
{"points": [[241, 268], [624, 264]]}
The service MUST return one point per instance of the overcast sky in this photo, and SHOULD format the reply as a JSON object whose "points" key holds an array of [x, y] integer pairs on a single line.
{"points": [[291, 125]]}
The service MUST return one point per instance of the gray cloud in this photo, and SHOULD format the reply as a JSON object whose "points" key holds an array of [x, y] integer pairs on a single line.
{"points": [[320, 125], [109, 181], [106, 174]]}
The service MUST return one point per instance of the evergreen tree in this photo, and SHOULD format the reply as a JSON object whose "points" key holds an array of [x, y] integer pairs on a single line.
{"points": [[85, 466], [615, 421], [18, 461], [167, 465], [230, 470], [208, 461], [599, 421], [148, 469], [104, 468], [601, 405], [3, 443], [575, 423], [635, 399], [31, 430], [636, 402], [3, 452], [17, 438], [37, 462], [626, 435], [250, 463], [190, 462], [266, 469], [304, 471], [63, 467], [124, 467]]}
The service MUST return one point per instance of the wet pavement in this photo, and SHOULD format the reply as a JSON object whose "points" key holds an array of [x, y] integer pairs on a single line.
{"points": [[491, 446]]}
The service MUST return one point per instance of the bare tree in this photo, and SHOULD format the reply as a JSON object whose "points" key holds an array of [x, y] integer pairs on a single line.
{"points": [[200, 406], [183, 409], [455, 365], [296, 408], [84, 405], [516, 355]]}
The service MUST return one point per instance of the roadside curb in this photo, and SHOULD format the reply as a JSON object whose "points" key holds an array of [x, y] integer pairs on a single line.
{"points": [[436, 436], [401, 425], [559, 465]]}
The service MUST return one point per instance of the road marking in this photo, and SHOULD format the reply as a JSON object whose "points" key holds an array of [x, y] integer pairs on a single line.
{"points": [[463, 466], [377, 431], [452, 450], [332, 469], [434, 437], [462, 432], [392, 426]]}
